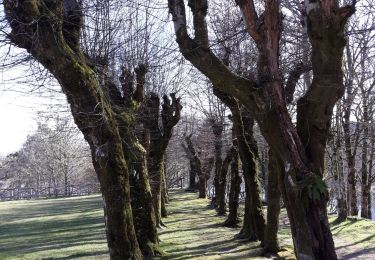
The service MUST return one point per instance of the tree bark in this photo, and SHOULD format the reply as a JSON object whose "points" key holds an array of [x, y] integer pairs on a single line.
{"points": [[164, 193], [50, 33], [159, 139], [301, 148], [365, 183], [254, 222], [271, 243], [221, 192], [195, 166], [217, 129], [338, 170], [234, 193]]}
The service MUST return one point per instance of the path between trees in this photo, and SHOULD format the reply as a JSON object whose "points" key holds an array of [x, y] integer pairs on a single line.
{"points": [[194, 231]]}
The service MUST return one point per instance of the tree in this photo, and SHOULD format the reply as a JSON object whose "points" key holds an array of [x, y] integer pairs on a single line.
{"points": [[50, 32], [158, 141], [195, 168], [301, 148], [235, 187]]}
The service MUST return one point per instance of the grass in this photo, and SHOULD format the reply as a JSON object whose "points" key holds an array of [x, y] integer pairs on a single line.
{"points": [[355, 230], [196, 232], [73, 228], [354, 238], [62, 228]]}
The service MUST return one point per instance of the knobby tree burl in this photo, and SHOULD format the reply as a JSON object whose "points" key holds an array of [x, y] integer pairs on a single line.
{"points": [[301, 148]]}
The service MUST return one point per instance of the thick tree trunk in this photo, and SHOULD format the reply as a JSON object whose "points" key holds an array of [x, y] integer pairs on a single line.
{"points": [[121, 238], [301, 148], [164, 193], [234, 193], [155, 167], [365, 183], [221, 192], [195, 168], [250, 157], [217, 129], [57, 49], [202, 186], [271, 243], [142, 200], [159, 139]]}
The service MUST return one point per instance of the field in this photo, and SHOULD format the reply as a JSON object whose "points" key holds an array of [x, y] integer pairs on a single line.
{"points": [[53, 229], [72, 228]]}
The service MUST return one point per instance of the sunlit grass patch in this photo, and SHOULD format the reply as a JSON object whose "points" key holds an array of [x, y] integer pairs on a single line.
{"points": [[194, 231], [356, 230], [62, 228]]}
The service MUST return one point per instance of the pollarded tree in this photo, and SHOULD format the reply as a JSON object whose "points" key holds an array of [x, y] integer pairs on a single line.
{"points": [[302, 147], [195, 166], [50, 32], [254, 223], [158, 140]]}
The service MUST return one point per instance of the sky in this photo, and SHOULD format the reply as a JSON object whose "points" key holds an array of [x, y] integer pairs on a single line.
{"points": [[20, 102], [17, 120]]}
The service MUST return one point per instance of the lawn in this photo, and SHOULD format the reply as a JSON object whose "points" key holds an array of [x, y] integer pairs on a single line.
{"points": [[63, 228], [73, 228]]}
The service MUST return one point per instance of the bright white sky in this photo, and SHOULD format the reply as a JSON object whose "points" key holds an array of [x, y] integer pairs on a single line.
{"points": [[17, 121], [19, 107]]}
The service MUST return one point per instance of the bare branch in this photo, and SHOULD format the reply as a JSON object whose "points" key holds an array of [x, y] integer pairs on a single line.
{"points": [[293, 78]]}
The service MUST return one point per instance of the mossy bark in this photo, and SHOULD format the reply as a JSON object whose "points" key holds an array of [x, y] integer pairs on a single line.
{"points": [[159, 139], [195, 166], [142, 202], [271, 242], [254, 222], [89, 105], [235, 188], [164, 193], [221, 192], [217, 129]]}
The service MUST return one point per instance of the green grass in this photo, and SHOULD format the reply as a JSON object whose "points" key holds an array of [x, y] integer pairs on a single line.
{"points": [[73, 228], [53, 229], [194, 231]]}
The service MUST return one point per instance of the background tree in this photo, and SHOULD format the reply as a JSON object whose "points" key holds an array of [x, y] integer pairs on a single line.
{"points": [[300, 148]]}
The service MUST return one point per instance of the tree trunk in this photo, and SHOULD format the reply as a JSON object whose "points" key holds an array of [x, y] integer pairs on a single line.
{"points": [[254, 222], [352, 183], [234, 193], [271, 243], [365, 184], [121, 238], [164, 193], [155, 167], [202, 186], [217, 129], [62, 56], [195, 167], [159, 139], [301, 148], [221, 192]]}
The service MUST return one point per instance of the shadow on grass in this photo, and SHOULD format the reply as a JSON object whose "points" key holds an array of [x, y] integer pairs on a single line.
{"points": [[195, 231], [77, 255], [67, 226]]}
